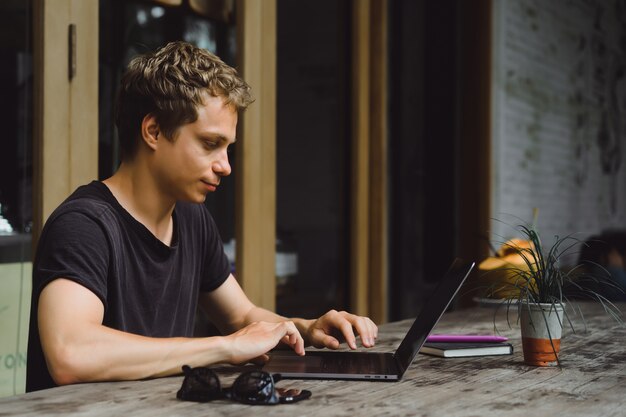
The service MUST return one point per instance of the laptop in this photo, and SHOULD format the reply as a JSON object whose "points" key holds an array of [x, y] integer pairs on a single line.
{"points": [[375, 366]]}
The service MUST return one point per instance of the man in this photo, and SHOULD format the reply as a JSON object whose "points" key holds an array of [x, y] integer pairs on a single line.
{"points": [[122, 264]]}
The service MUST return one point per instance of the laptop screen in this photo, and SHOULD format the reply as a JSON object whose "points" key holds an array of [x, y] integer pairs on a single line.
{"points": [[432, 312]]}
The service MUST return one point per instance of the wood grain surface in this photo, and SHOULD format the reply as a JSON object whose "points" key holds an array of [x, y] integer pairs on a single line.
{"points": [[592, 382]]}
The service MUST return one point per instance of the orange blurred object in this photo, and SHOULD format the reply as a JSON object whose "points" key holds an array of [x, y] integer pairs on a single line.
{"points": [[504, 272]]}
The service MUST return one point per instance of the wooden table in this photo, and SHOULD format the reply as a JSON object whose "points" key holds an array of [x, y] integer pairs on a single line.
{"points": [[592, 382]]}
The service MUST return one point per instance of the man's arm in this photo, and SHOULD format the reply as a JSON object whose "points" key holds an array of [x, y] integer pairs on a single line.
{"points": [[230, 309], [78, 348]]}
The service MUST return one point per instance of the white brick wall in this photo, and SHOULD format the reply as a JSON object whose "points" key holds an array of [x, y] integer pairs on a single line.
{"points": [[552, 87]]}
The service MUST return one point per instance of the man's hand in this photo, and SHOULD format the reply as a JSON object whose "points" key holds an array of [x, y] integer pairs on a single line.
{"points": [[260, 330], [253, 341], [336, 326]]}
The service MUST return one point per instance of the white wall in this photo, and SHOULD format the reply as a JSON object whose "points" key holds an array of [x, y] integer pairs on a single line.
{"points": [[559, 116], [15, 289]]}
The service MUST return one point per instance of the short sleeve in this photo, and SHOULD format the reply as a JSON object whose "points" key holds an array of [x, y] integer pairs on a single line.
{"points": [[216, 266], [73, 246]]}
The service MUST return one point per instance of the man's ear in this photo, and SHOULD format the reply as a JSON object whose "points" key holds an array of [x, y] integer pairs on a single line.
{"points": [[150, 131]]}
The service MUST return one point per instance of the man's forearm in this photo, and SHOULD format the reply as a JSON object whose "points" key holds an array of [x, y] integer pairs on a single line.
{"points": [[260, 314], [105, 354], [79, 348]]}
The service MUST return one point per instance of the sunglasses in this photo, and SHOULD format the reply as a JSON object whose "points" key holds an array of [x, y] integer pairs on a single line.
{"points": [[201, 384]]}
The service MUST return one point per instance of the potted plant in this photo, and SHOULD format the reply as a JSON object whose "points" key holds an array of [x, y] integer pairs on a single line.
{"points": [[540, 288]]}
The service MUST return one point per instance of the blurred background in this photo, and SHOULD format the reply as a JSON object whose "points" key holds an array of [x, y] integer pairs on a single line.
{"points": [[387, 138]]}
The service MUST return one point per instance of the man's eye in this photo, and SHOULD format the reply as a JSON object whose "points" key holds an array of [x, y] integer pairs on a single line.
{"points": [[210, 145]]}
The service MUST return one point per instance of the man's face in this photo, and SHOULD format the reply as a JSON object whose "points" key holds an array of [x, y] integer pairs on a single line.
{"points": [[192, 164]]}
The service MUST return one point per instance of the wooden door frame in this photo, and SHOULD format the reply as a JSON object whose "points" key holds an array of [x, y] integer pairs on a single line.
{"points": [[65, 110]]}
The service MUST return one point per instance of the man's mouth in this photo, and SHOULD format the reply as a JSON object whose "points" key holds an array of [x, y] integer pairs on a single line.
{"points": [[210, 185]]}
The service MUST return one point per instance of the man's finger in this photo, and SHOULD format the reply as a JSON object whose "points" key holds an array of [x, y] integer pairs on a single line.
{"points": [[320, 339], [364, 330], [293, 337], [372, 331], [348, 334]]}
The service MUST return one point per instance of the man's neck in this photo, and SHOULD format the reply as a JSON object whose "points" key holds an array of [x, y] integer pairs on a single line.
{"points": [[140, 196]]}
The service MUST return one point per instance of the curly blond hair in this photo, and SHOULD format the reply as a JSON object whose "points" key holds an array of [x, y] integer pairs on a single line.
{"points": [[170, 84]]}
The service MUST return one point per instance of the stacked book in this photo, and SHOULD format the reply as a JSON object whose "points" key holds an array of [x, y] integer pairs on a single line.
{"points": [[458, 346]]}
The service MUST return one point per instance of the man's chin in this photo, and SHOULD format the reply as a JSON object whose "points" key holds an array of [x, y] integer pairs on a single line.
{"points": [[198, 198], [201, 199]]}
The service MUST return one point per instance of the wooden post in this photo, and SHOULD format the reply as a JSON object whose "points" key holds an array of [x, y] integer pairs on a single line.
{"points": [[378, 172], [255, 220], [369, 243], [360, 226]]}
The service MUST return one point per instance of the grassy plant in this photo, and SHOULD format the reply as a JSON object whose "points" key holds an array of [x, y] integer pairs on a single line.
{"points": [[546, 281], [543, 280]]}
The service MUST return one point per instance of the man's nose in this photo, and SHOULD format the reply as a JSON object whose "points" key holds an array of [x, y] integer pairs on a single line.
{"points": [[222, 166]]}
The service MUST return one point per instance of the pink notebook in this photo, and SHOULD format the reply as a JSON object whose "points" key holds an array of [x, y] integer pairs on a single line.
{"points": [[466, 338]]}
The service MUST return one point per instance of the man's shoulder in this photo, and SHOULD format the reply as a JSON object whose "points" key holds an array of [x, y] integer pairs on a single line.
{"points": [[88, 201], [93, 194]]}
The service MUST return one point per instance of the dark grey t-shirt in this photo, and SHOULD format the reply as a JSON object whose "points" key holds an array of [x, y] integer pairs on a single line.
{"points": [[146, 287]]}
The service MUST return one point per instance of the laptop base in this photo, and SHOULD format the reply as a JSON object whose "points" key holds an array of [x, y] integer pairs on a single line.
{"points": [[371, 366]]}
